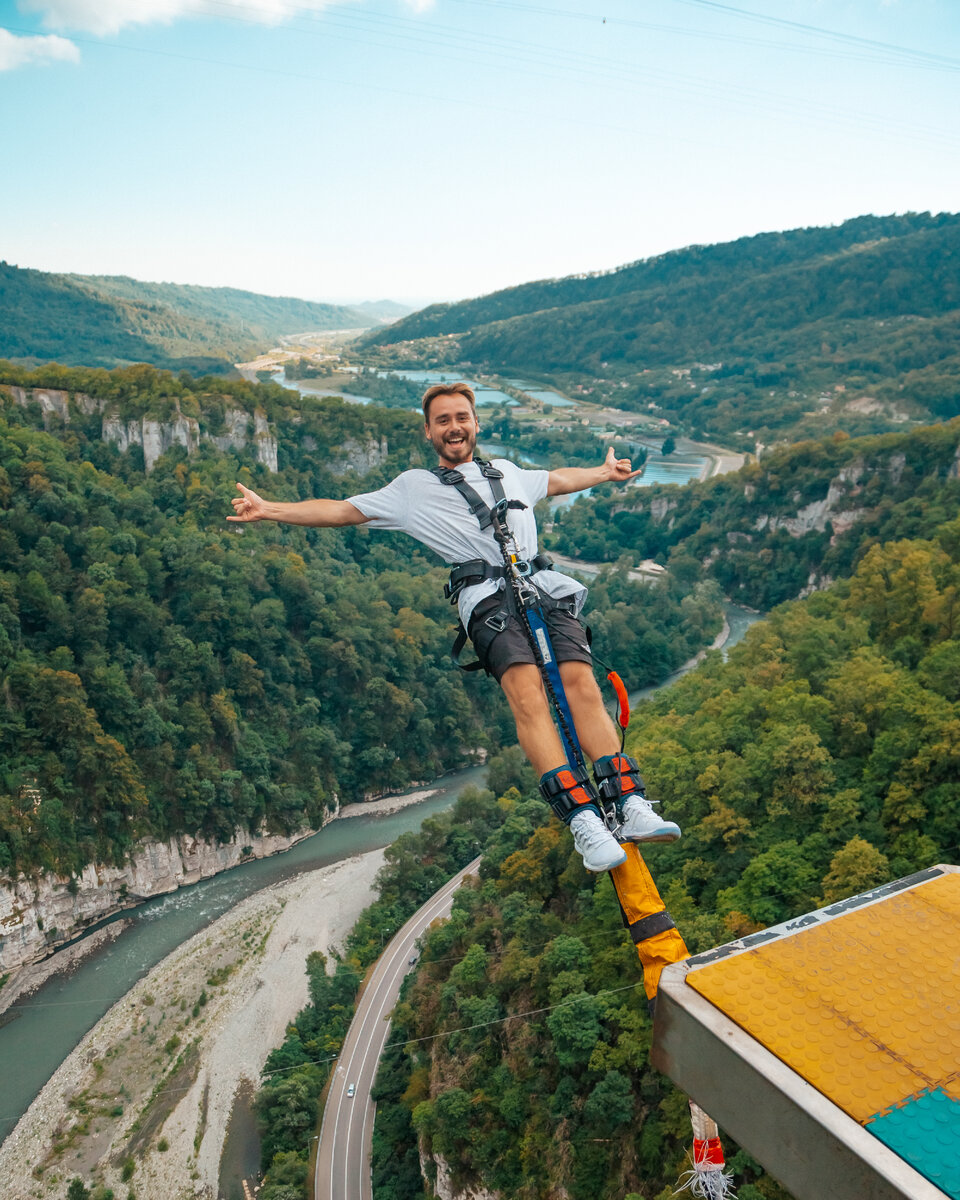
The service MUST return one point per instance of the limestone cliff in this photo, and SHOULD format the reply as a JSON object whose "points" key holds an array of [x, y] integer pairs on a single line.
{"points": [[847, 483], [436, 1173], [41, 913], [361, 457], [156, 437]]}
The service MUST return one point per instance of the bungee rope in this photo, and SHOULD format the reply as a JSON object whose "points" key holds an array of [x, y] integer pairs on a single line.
{"points": [[708, 1177]]}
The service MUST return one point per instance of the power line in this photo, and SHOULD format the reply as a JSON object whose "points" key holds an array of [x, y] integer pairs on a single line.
{"points": [[562, 65], [875, 51], [533, 1012], [552, 63], [432, 1037], [923, 56]]}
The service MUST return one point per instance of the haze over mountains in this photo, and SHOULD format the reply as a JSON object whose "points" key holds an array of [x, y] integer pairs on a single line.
{"points": [[110, 320]]}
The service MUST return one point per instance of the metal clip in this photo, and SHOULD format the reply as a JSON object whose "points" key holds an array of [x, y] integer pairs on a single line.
{"points": [[611, 819]]}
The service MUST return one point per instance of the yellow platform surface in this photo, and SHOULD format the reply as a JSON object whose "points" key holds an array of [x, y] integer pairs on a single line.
{"points": [[865, 1007]]}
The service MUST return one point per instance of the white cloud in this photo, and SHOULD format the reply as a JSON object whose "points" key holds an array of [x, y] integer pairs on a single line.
{"points": [[26, 51], [108, 16]]}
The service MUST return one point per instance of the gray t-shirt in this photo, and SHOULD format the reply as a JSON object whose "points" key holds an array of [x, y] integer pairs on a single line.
{"points": [[434, 513]]}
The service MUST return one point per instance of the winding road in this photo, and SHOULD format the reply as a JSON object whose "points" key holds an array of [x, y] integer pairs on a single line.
{"points": [[346, 1136]]}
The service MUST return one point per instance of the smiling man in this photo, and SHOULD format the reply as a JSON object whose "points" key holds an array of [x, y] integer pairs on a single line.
{"points": [[423, 504]]}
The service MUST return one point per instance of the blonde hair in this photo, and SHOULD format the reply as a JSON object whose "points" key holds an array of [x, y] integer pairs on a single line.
{"points": [[447, 389]]}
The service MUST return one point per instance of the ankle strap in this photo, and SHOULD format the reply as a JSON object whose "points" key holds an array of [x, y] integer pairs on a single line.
{"points": [[569, 790]]}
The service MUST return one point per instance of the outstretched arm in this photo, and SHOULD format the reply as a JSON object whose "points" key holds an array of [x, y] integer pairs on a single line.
{"points": [[575, 479], [248, 506]]}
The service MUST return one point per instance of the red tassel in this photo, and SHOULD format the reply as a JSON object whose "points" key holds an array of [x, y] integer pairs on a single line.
{"points": [[708, 1153]]}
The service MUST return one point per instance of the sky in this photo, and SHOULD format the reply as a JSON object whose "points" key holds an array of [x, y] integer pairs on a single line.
{"points": [[427, 150]]}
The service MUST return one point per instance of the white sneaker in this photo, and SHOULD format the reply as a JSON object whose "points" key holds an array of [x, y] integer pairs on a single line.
{"points": [[642, 824], [596, 845]]}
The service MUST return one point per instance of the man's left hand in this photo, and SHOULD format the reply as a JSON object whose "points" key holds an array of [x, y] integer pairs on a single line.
{"points": [[618, 469]]}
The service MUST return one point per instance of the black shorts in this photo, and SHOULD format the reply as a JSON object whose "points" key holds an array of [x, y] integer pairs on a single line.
{"points": [[499, 648]]}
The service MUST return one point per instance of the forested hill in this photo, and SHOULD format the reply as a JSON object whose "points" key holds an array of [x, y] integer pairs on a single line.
{"points": [[763, 330], [819, 761], [89, 320], [802, 516], [163, 671], [264, 317]]}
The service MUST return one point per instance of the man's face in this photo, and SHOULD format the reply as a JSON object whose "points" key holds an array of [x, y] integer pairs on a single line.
{"points": [[452, 429]]}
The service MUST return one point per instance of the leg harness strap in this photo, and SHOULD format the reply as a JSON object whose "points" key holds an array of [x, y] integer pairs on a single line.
{"points": [[568, 790]]}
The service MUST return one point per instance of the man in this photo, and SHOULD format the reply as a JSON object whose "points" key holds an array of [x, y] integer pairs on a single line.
{"points": [[420, 503]]}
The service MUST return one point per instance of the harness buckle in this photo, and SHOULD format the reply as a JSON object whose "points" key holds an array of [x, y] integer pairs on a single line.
{"points": [[496, 621]]}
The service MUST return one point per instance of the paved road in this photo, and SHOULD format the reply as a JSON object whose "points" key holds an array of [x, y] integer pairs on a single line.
{"points": [[343, 1154]]}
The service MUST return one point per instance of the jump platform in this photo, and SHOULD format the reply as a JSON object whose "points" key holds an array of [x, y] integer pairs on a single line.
{"points": [[829, 1046]]}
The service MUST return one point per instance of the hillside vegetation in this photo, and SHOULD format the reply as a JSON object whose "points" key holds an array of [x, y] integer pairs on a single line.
{"points": [[819, 761], [849, 327], [162, 671], [804, 515], [102, 321], [265, 318]]}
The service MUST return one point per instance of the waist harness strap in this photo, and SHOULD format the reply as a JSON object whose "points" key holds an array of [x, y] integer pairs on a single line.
{"points": [[478, 569]]}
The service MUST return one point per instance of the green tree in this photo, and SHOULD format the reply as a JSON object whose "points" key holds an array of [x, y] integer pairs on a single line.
{"points": [[856, 867]]}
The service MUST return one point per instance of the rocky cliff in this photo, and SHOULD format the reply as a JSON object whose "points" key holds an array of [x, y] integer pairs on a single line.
{"points": [[436, 1172], [40, 914], [156, 437]]}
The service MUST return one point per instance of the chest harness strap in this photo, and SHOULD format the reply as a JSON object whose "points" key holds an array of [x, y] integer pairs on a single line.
{"points": [[522, 597]]}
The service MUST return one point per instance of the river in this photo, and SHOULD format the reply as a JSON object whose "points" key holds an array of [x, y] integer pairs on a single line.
{"points": [[37, 1033]]}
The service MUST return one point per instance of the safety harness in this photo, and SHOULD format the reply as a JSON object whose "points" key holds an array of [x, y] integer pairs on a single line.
{"points": [[521, 596]]}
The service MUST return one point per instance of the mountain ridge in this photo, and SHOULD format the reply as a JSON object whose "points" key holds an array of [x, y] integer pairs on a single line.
{"points": [[758, 340], [111, 320]]}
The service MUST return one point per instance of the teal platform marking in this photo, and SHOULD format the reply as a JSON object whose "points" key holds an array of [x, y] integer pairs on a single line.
{"points": [[925, 1132]]}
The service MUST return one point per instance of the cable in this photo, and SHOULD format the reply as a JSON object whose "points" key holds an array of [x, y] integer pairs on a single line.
{"points": [[908, 56], [432, 1037], [315, 1062], [833, 34], [569, 64], [573, 64]]}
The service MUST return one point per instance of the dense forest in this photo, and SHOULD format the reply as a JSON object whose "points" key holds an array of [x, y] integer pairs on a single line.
{"points": [[820, 760], [100, 321], [803, 515], [851, 327], [164, 672]]}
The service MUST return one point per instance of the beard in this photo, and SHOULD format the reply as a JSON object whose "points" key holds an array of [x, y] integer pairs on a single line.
{"points": [[460, 452]]}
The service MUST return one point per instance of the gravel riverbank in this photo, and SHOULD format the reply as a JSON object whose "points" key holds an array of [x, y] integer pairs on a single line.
{"points": [[153, 1083]]}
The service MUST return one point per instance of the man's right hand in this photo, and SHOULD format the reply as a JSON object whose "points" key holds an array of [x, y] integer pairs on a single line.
{"points": [[248, 506]]}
